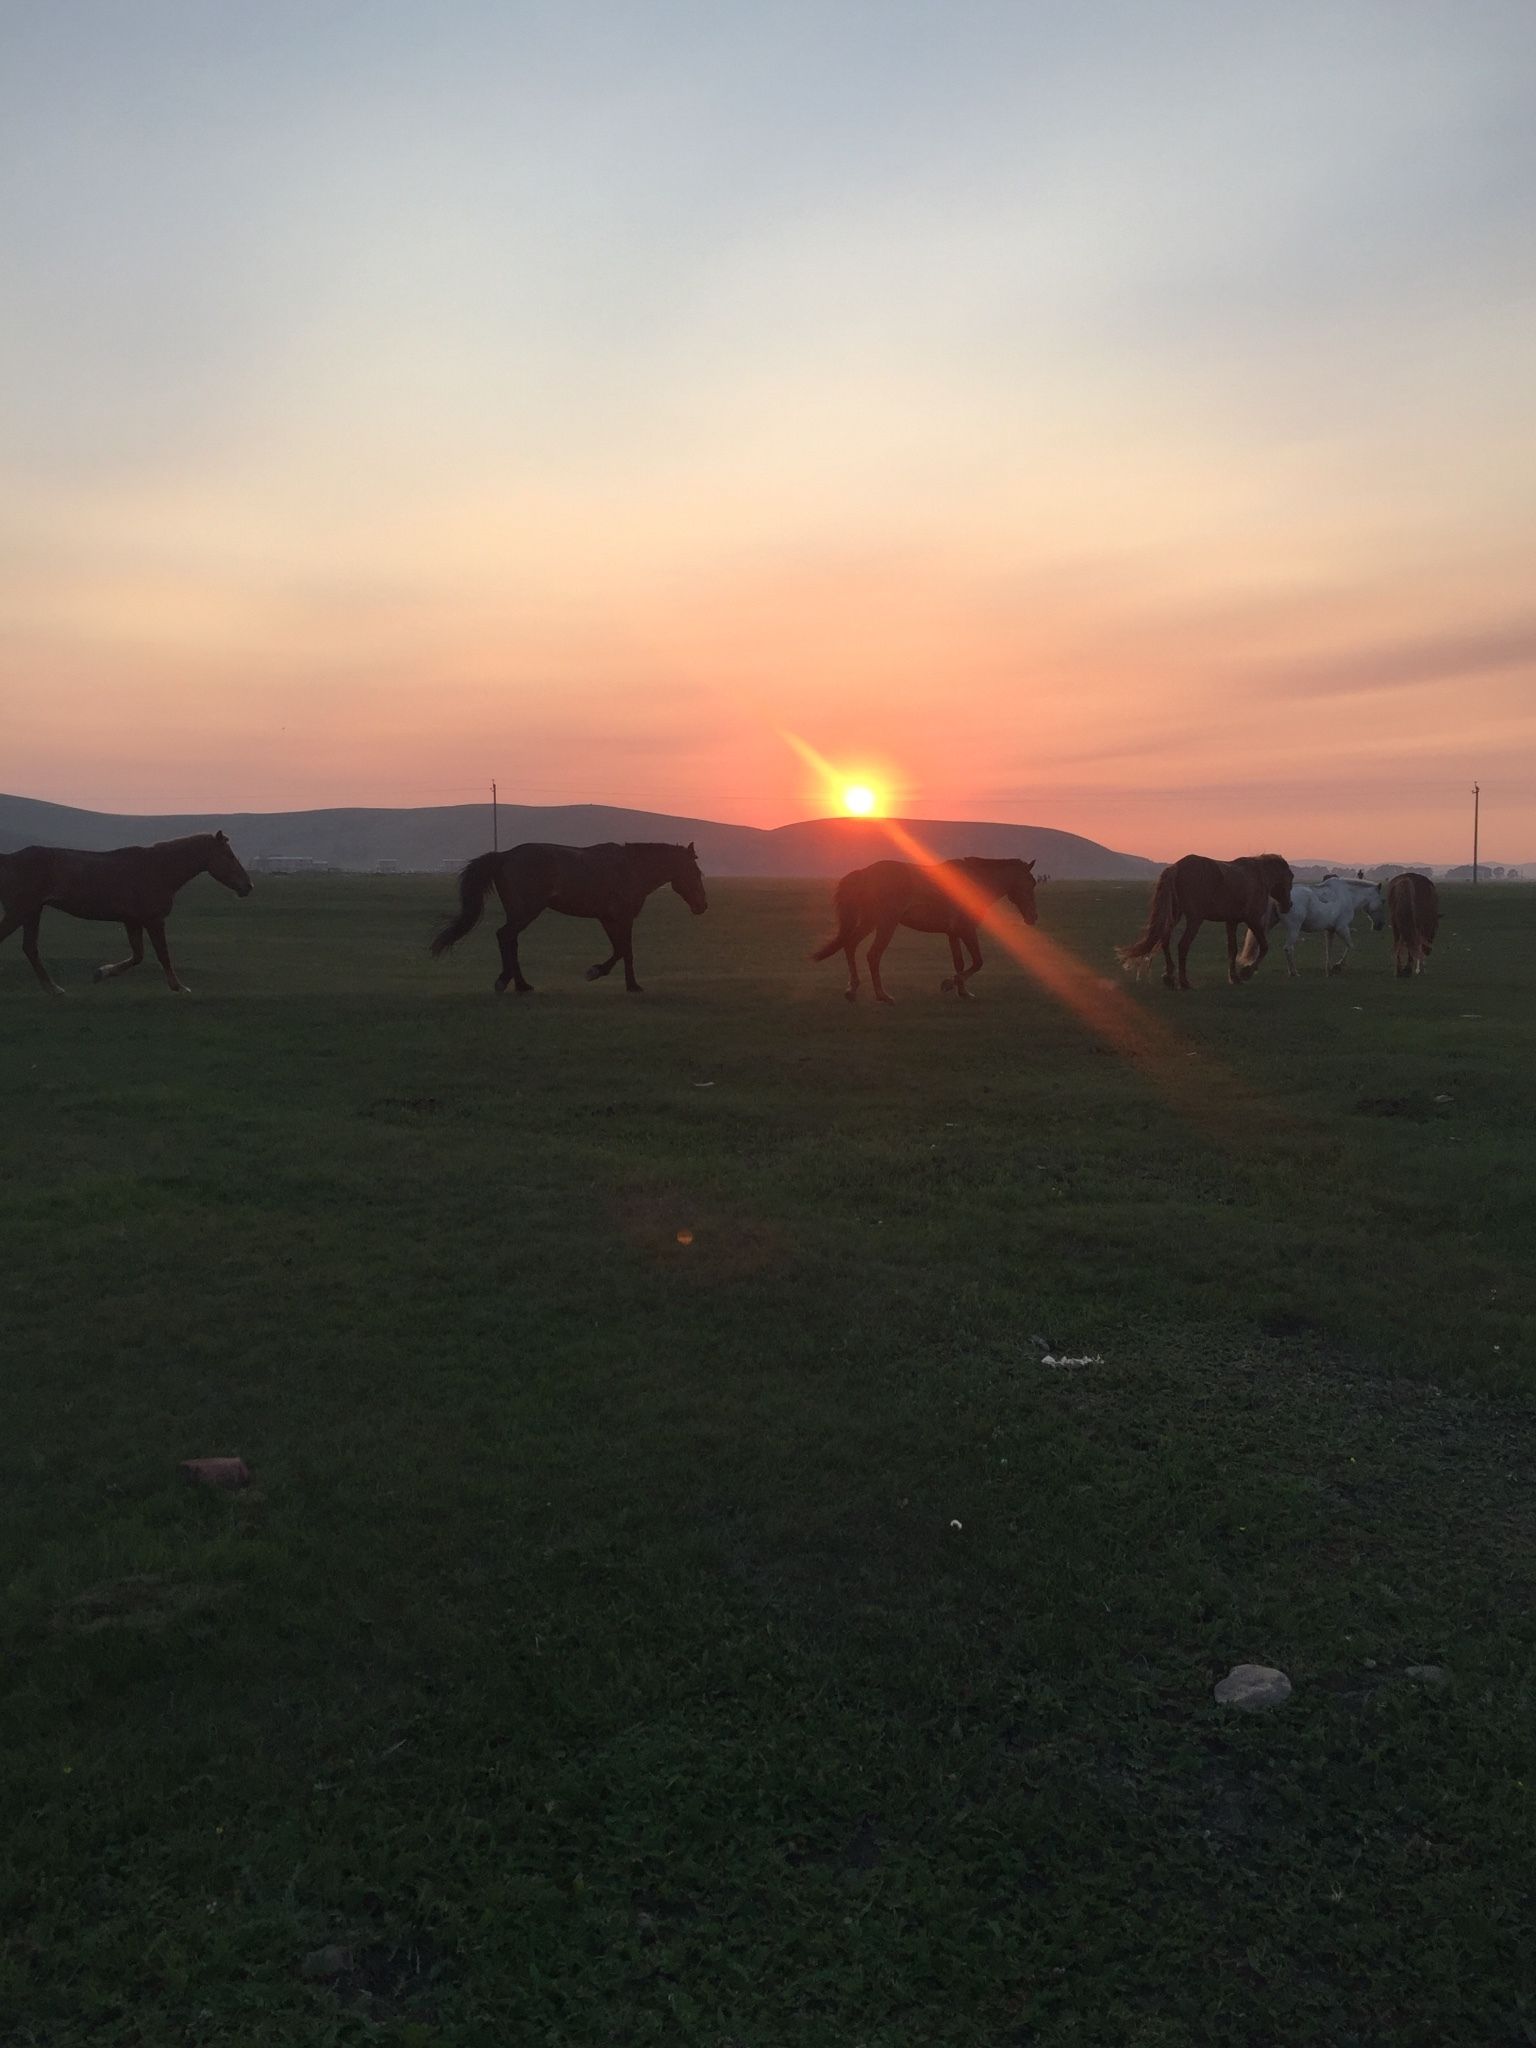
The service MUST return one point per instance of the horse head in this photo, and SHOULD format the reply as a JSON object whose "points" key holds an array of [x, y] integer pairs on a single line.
{"points": [[1278, 880], [1376, 907], [686, 879], [224, 867], [1021, 889]]}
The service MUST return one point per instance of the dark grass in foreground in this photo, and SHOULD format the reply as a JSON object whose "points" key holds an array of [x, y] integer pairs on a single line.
{"points": [[597, 1656]]}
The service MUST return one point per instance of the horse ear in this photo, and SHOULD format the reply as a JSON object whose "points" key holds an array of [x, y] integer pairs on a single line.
{"points": [[222, 837], [690, 850], [1030, 865]]}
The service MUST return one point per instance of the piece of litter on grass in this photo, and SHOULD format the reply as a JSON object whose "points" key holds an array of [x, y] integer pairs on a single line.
{"points": [[703, 1084], [685, 1237], [954, 1525], [1442, 1098], [1071, 1364]]}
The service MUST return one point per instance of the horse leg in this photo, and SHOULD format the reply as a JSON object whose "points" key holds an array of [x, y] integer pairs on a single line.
{"points": [[973, 947], [1256, 962], [627, 954], [612, 931], [155, 926], [1338, 967], [10, 924], [955, 981], [1232, 954], [1191, 926], [1170, 980], [883, 935], [857, 934], [511, 966], [136, 941], [29, 947]]}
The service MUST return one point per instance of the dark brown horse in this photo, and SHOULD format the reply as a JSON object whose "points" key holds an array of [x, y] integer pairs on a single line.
{"points": [[1229, 892], [951, 897], [1413, 904], [609, 883], [133, 886]]}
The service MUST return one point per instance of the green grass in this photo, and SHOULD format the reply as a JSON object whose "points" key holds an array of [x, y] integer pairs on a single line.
{"points": [[597, 1655]]}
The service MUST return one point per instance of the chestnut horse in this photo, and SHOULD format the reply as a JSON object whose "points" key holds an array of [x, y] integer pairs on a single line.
{"points": [[608, 882], [1413, 904], [133, 886], [1229, 892], [951, 897]]}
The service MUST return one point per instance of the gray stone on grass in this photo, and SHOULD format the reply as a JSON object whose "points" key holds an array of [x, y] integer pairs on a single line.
{"points": [[1253, 1686], [1428, 1674]]}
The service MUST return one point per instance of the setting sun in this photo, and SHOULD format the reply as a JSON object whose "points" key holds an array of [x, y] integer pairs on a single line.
{"points": [[859, 800]]}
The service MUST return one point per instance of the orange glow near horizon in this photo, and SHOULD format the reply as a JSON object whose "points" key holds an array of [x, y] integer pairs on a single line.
{"points": [[859, 800]]}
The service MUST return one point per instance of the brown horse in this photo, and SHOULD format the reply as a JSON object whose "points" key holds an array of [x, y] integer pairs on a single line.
{"points": [[609, 883], [1413, 904], [951, 897], [133, 886], [1229, 892]]}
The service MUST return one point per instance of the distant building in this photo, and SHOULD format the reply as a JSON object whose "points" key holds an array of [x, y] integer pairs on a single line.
{"points": [[386, 867], [288, 864]]}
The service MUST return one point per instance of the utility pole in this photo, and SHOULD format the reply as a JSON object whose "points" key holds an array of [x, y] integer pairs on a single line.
{"points": [[1476, 804], [495, 823]]}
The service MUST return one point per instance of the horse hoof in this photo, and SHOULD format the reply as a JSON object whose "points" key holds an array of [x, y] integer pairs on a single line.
{"points": [[850, 995], [100, 974], [594, 974], [946, 984], [891, 1000], [633, 988]]}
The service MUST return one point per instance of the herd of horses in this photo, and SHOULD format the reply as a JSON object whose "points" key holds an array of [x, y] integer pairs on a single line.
{"points": [[135, 886]]}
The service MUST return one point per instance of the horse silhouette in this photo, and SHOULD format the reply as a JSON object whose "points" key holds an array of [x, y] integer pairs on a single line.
{"points": [[609, 882], [951, 897], [133, 886], [1413, 904], [1229, 892]]}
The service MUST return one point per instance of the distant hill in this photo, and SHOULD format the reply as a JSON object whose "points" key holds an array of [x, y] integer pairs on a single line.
{"points": [[447, 835]]}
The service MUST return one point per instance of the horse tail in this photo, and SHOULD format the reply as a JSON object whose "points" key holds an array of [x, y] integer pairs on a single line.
{"points": [[1161, 919], [847, 921], [474, 883]]}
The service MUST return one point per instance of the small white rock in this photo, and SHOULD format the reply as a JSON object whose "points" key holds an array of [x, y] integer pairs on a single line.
{"points": [[1253, 1686]]}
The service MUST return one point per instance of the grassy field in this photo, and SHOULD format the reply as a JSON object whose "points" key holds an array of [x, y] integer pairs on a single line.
{"points": [[752, 1640]]}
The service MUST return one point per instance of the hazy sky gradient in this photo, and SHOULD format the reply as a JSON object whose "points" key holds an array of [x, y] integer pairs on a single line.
{"points": [[1115, 416]]}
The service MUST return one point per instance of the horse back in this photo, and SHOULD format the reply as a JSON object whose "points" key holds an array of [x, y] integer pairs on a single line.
{"points": [[1227, 890], [122, 883]]}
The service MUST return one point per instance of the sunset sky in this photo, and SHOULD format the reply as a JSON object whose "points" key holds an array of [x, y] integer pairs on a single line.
{"points": [[1118, 416]]}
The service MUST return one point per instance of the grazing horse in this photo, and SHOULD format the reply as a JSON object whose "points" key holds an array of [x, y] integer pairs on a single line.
{"points": [[134, 886], [609, 883], [951, 897], [1328, 907], [1413, 904], [1229, 892]]}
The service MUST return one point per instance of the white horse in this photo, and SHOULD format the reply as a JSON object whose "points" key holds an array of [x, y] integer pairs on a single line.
{"points": [[1328, 907]]}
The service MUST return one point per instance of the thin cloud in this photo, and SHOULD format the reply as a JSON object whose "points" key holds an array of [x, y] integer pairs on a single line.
{"points": [[1409, 664]]}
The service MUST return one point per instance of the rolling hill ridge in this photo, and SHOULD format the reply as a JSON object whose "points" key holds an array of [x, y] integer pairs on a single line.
{"points": [[446, 835]]}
